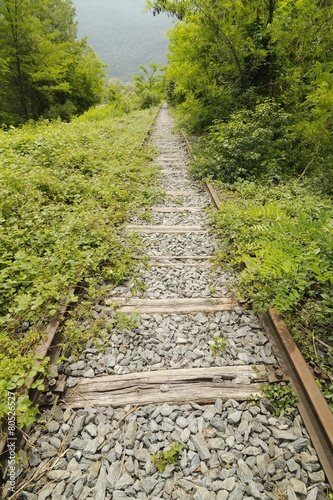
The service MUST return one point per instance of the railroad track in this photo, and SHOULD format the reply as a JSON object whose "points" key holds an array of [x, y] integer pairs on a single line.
{"points": [[189, 372]]}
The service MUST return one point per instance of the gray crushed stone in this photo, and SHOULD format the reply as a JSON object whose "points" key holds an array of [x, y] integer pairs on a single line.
{"points": [[230, 450], [177, 281], [178, 341]]}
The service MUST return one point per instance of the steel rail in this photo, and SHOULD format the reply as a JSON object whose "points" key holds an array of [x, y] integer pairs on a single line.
{"points": [[316, 414], [42, 350], [151, 126]]}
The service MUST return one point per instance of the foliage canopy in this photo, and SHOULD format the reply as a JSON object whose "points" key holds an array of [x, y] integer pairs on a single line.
{"points": [[44, 70], [228, 56]]}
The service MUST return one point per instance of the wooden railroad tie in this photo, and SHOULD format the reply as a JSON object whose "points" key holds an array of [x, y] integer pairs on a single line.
{"points": [[172, 306], [184, 193], [184, 260], [166, 229], [181, 386], [176, 209]]}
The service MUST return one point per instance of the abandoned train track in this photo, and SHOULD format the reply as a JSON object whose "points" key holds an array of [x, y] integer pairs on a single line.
{"points": [[173, 407]]}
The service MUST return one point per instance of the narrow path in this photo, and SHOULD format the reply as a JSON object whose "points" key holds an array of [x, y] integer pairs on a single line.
{"points": [[184, 374]]}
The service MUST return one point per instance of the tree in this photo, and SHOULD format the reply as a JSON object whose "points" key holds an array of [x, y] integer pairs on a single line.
{"points": [[149, 85], [219, 50], [229, 56], [177, 8], [60, 20], [39, 47], [247, 50], [86, 77]]}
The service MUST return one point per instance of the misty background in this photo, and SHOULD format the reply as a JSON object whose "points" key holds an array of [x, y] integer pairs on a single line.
{"points": [[123, 35]]}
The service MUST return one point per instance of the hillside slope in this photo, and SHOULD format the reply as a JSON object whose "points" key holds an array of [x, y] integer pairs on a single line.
{"points": [[122, 35]]}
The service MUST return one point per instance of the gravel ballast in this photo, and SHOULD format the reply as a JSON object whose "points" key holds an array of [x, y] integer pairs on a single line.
{"points": [[229, 450]]}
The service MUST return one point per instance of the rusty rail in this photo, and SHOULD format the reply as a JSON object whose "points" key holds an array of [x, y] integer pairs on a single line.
{"points": [[43, 350], [316, 414]]}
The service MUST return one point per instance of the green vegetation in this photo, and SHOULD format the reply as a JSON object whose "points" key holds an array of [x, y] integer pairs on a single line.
{"points": [[252, 144], [121, 96], [259, 74], [218, 345], [327, 389], [149, 85], [282, 398], [284, 234], [66, 189], [45, 71], [167, 456], [81, 326]]}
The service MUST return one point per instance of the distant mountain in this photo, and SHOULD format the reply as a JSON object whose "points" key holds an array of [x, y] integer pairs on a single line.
{"points": [[122, 35]]}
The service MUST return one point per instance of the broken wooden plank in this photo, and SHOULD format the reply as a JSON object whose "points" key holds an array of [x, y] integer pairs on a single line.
{"points": [[170, 306], [166, 229], [183, 395], [200, 385], [256, 373]]}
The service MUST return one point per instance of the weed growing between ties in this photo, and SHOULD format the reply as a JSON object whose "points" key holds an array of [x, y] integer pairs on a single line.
{"points": [[282, 398], [284, 233], [65, 191], [218, 345], [170, 455], [86, 325]]}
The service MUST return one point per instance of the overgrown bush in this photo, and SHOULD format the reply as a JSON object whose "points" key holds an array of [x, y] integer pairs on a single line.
{"points": [[251, 144], [149, 85], [196, 115], [268, 144], [284, 233], [149, 98]]}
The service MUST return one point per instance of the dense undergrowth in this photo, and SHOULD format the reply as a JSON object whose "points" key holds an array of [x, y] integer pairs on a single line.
{"points": [[65, 191], [268, 144], [285, 235]]}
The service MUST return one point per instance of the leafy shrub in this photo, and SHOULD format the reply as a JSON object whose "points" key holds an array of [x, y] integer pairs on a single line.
{"points": [[196, 115], [18, 368], [149, 98], [64, 111], [149, 85], [251, 144], [284, 233]]}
